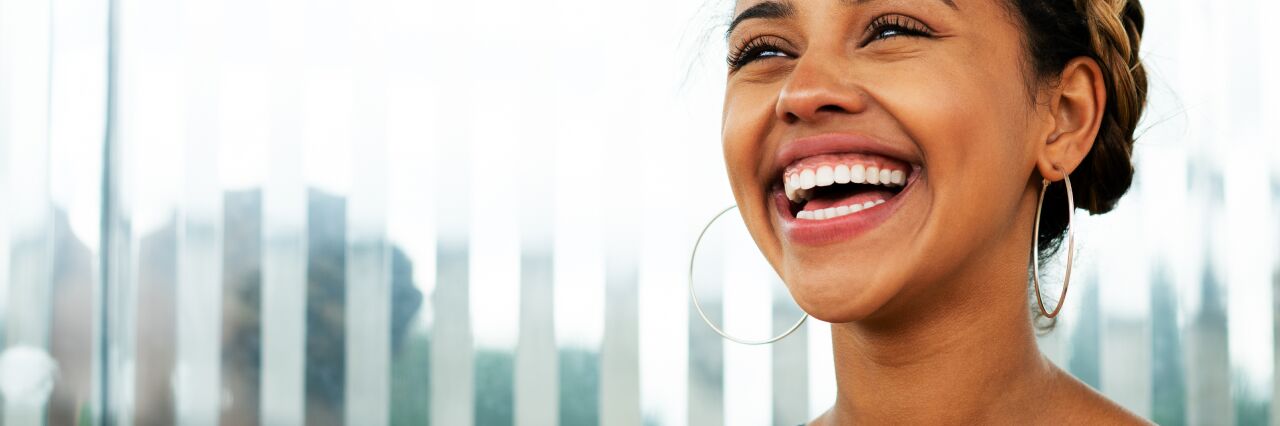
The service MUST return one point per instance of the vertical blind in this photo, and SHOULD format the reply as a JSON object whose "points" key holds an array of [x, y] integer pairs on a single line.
{"points": [[407, 212]]}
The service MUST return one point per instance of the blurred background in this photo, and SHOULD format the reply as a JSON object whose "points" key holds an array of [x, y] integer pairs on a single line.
{"points": [[451, 213]]}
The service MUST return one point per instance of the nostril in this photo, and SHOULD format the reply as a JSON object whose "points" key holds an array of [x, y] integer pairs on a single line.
{"points": [[831, 108], [791, 117]]}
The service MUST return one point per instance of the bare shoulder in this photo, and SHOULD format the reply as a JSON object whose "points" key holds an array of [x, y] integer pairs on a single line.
{"points": [[1077, 403]]}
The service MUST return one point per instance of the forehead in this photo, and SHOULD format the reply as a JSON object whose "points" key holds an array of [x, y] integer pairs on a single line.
{"points": [[742, 5]]}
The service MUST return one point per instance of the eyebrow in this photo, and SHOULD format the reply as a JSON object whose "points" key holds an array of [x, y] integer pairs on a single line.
{"points": [[763, 10], [949, 3], [783, 9]]}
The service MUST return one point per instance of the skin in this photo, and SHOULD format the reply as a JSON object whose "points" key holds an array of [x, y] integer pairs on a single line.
{"points": [[929, 310]]}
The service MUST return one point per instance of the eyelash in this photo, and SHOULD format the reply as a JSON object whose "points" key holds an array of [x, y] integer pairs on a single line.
{"points": [[881, 28], [752, 50], [895, 25]]}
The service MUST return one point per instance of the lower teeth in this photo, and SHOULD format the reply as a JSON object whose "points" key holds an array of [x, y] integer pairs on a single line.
{"points": [[834, 212]]}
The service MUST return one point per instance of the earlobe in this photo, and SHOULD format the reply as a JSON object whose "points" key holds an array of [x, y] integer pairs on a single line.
{"points": [[1077, 109]]}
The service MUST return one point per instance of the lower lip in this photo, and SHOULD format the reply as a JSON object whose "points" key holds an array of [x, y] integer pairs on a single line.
{"points": [[821, 232]]}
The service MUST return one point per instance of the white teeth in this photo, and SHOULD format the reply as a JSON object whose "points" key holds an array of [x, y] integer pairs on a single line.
{"points": [[799, 184], [841, 174], [823, 214], [834, 212], [857, 174], [789, 185], [825, 176]]}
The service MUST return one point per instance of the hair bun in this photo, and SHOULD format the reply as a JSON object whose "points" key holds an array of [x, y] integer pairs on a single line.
{"points": [[1115, 30], [1110, 33]]}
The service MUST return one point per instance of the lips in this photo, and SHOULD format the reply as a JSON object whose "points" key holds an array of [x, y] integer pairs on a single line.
{"points": [[835, 187]]}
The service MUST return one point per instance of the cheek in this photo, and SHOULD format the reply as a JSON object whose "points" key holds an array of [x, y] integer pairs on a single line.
{"points": [[746, 123], [970, 119]]}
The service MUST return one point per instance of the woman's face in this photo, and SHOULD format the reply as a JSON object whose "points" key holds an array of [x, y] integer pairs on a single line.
{"points": [[828, 99]]}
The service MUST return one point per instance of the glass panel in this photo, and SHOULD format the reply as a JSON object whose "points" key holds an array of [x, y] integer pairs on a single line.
{"points": [[791, 391], [1247, 219], [326, 111], [664, 311], [28, 371], [411, 218], [580, 255], [548, 390], [748, 313], [284, 227], [495, 256], [822, 371], [77, 118], [4, 189], [618, 377], [616, 400], [619, 397], [115, 339], [332, 212], [706, 348], [196, 378], [452, 387], [370, 283]]}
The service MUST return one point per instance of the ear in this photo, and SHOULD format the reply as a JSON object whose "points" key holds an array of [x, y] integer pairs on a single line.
{"points": [[1076, 104]]}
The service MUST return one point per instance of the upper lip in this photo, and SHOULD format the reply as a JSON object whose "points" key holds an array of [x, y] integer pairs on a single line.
{"points": [[835, 143]]}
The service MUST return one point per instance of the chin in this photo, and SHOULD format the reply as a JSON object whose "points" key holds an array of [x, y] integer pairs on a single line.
{"points": [[838, 293]]}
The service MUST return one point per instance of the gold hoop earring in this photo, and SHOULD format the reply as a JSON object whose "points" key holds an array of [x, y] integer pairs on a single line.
{"points": [[694, 295], [1071, 243]]}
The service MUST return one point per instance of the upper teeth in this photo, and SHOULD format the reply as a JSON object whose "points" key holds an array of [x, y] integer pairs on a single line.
{"points": [[799, 182]]}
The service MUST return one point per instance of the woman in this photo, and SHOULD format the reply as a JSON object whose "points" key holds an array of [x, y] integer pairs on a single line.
{"points": [[888, 157]]}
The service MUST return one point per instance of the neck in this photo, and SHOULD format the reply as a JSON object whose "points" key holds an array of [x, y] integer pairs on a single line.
{"points": [[968, 355]]}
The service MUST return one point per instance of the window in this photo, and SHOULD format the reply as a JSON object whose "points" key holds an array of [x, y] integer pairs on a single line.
{"points": [[303, 212]]}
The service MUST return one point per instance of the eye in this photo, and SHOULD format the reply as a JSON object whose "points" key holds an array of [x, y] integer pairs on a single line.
{"points": [[753, 50], [890, 26]]}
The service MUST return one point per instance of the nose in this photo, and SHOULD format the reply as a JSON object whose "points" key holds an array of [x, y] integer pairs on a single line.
{"points": [[816, 90]]}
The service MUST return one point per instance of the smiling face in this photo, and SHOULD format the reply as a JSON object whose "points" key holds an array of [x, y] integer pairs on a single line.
{"points": [[879, 149]]}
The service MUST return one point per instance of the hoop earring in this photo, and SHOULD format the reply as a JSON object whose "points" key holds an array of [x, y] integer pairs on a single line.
{"points": [[1071, 243], [697, 306]]}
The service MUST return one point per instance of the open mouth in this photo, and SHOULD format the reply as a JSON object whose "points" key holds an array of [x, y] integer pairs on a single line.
{"points": [[830, 186]]}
